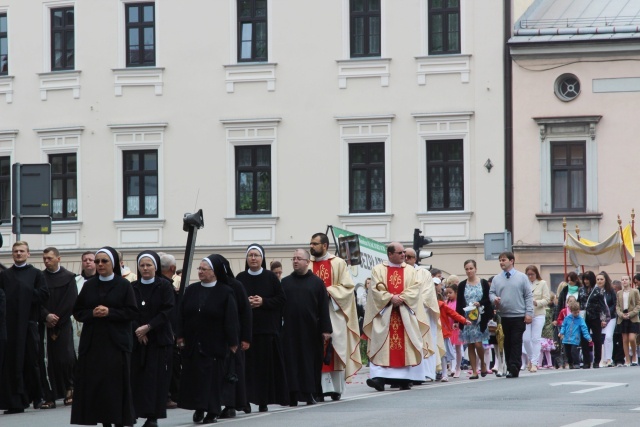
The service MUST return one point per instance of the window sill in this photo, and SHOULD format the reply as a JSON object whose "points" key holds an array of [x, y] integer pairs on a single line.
{"points": [[248, 72], [552, 230], [244, 230], [6, 88], [569, 215], [363, 68], [60, 80], [138, 76], [446, 225], [372, 225], [443, 64]]}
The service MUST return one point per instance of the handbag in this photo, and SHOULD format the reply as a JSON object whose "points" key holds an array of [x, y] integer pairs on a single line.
{"points": [[583, 313]]}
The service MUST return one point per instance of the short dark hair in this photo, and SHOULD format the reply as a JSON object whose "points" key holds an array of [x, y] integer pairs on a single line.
{"points": [[324, 239], [435, 271], [86, 253], [55, 251], [508, 255], [275, 264], [391, 248]]}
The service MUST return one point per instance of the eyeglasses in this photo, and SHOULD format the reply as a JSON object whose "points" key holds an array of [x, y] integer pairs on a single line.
{"points": [[297, 258], [410, 256], [203, 269], [102, 261], [254, 256], [399, 253]]}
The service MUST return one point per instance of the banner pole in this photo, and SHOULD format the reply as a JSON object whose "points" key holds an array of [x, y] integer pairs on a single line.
{"points": [[624, 249], [633, 244], [564, 245]]}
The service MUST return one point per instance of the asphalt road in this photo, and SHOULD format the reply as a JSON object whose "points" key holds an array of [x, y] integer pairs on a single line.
{"points": [[549, 398]]}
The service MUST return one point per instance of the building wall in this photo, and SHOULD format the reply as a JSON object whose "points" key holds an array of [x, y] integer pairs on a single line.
{"points": [[306, 115]]}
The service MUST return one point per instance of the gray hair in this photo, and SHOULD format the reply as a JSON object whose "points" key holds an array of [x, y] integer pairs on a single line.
{"points": [[166, 261]]}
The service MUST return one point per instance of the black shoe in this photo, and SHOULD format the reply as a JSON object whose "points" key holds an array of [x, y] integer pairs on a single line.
{"points": [[198, 415], [376, 383], [150, 423], [514, 371], [228, 413], [263, 408], [319, 397], [210, 419], [596, 366], [14, 411], [293, 402], [509, 375], [247, 409], [405, 386], [37, 404], [311, 400], [586, 366]]}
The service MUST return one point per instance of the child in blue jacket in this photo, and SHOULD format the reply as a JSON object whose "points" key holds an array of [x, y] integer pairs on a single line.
{"points": [[573, 328]]}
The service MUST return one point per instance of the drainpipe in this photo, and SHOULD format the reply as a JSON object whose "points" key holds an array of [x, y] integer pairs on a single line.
{"points": [[508, 120]]}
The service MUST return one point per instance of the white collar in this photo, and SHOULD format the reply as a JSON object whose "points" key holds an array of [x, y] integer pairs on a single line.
{"points": [[106, 279], [147, 281], [54, 272], [208, 285], [394, 265], [255, 273], [324, 257]]}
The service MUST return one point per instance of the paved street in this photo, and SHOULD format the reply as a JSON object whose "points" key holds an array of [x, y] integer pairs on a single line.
{"points": [[609, 397]]}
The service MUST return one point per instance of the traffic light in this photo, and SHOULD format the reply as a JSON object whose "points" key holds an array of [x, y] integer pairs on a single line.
{"points": [[419, 241]]}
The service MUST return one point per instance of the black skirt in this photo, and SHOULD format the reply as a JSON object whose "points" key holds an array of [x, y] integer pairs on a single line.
{"points": [[150, 375], [629, 327], [265, 374]]}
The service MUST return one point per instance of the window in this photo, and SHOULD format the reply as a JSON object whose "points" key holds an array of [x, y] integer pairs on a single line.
{"points": [[365, 28], [366, 177], [567, 87], [444, 27], [568, 176], [252, 30], [64, 186], [62, 39], [4, 45], [445, 175], [253, 179], [5, 189], [141, 35], [140, 179]]}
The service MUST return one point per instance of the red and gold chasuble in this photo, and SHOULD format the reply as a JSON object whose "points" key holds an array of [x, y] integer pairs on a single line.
{"points": [[322, 269], [395, 285]]}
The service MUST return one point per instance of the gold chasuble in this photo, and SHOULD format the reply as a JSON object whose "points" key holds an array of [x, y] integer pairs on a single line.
{"points": [[344, 317], [397, 335]]}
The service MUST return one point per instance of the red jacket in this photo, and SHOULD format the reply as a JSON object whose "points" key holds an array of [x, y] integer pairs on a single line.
{"points": [[447, 317], [563, 313]]}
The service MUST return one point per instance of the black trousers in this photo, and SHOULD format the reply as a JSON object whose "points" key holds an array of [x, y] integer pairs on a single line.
{"points": [[513, 328], [573, 354], [595, 329]]}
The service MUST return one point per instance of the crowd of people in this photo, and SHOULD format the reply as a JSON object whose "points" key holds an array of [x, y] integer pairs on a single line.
{"points": [[229, 341]]}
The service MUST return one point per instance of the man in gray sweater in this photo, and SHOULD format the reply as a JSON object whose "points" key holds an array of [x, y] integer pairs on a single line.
{"points": [[511, 294]]}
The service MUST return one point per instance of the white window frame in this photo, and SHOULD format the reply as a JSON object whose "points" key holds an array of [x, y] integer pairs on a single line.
{"points": [[359, 130], [122, 35], [424, 26], [346, 32], [248, 132], [565, 129], [64, 140], [6, 82], [47, 6], [233, 35], [7, 149], [130, 137]]}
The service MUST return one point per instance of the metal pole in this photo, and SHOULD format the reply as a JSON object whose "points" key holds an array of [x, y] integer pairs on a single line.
{"points": [[564, 245], [18, 201]]}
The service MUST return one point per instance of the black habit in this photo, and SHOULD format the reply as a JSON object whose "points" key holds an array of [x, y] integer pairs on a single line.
{"points": [[102, 384], [25, 292], [3, 325], [61, 355], [306, 318], [234, 394], [151, 362], [208, 324], [265, 372]]}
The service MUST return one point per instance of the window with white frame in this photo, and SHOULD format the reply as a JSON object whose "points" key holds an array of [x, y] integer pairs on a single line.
{"points": [[64, 186], [365, 28], [445, 175], [139, 170], [252, 31], [62, 38], [140, 23], [4, 44], [366, 177], [444, 26]]}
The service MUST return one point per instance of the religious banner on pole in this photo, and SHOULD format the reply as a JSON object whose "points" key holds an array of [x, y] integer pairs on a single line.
{"points": [[372, 253]]}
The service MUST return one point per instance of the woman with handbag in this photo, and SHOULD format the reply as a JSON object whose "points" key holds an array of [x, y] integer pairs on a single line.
{"points": [[596, 316], [604, 283], [533, 332], [627, 309]]}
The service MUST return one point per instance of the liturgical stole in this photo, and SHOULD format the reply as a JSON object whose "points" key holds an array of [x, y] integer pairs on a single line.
{"points": [[322, 269], [395, 285]]}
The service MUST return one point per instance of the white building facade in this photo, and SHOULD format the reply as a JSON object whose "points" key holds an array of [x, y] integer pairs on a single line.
{"points": [[274, 117]]}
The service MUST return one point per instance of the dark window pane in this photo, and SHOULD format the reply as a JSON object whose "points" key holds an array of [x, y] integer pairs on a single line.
{"points": [[253, 179], [365, 28], [148, 13], [3, 24], [133, 14], [568, 176], [374, 5], [366, 177], [252, 30], [444, 27], [357, 5], [445, 175]]}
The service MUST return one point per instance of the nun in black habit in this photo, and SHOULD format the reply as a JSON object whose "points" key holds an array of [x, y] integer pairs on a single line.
{"points": [[234, 394], [207, 332], [153, 340], [265, 372], [106, 305]]}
